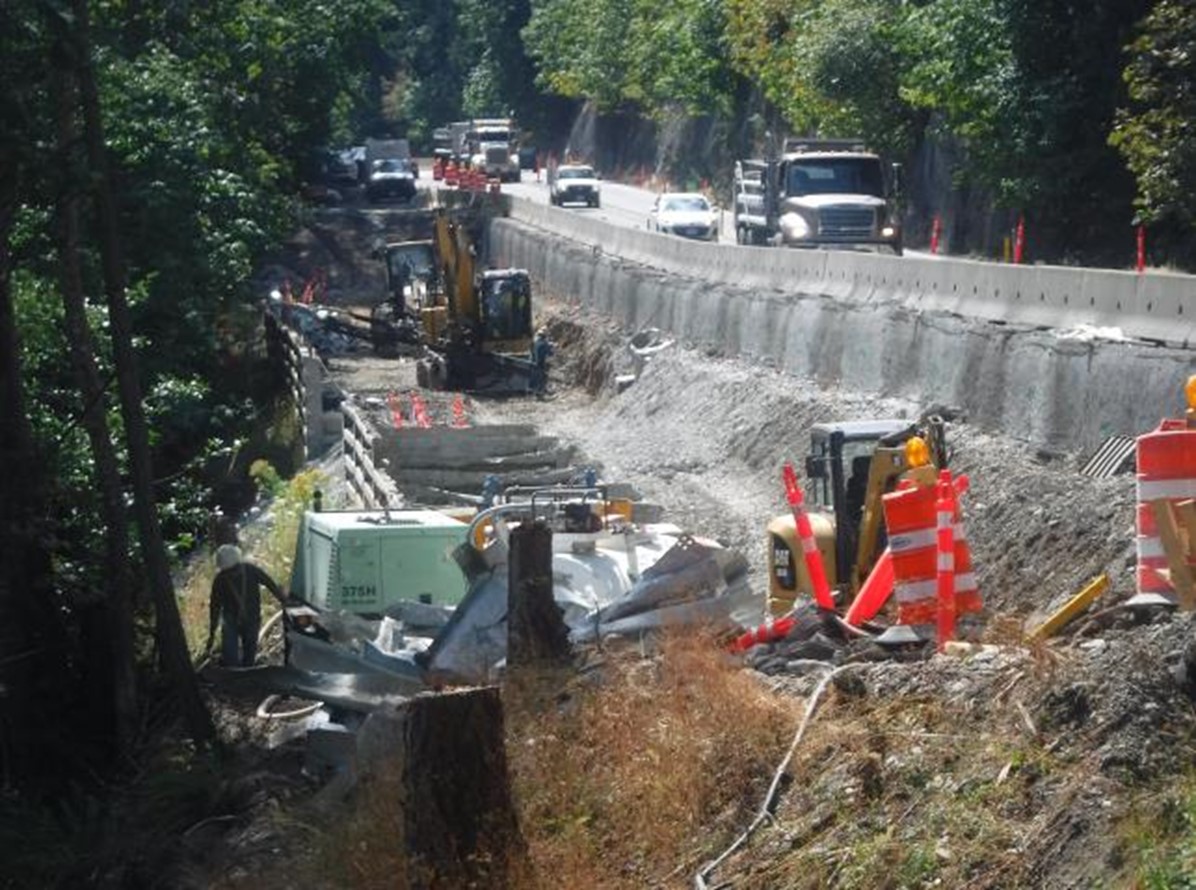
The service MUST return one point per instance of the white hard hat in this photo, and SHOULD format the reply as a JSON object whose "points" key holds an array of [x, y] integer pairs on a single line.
{"points": [[227, 556]]}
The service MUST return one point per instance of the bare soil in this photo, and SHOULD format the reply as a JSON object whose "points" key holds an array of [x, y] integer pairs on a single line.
{"points": [[1023, 766]]}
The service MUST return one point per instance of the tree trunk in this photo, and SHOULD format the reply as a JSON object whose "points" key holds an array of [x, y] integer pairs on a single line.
{"points": [[31, 635], [114, 674], [172, 641], [459, 822], [536, 632]]}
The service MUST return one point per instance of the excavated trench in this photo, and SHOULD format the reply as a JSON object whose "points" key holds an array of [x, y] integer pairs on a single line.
{"points": [[707, 423]]}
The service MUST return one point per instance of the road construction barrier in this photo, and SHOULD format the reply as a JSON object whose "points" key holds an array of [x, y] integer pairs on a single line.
{"points": [[1155, 306], [1167, 472], [452, 176], [911, 517]]}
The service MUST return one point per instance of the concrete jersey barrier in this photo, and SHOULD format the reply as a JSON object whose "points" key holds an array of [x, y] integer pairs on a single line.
{"points": [[1158, 307]]}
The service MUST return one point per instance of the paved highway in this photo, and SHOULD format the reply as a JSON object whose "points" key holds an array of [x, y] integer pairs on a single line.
{"points": [[622, 205]]}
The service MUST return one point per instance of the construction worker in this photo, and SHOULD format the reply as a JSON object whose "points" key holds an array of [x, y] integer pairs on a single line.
{"points": [[236, 604], [541, 350]]}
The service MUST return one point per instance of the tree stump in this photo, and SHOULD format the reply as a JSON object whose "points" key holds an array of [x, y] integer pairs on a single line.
{"points": [[536, 632], [459, 823]]}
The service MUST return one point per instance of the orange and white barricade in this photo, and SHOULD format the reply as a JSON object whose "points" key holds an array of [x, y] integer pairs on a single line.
{"points": [[1166, 471], [452, 176], [912, 523]]}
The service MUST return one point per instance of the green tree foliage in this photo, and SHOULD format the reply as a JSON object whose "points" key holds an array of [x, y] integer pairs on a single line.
{"points": [[1155, 130], [832, 67], [620, 53], [213, 113]]}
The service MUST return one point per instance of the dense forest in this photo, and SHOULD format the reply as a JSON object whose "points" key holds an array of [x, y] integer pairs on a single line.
{"points": [[152, 153]]}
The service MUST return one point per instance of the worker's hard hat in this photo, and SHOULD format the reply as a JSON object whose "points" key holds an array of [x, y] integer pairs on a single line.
{"points": [[227, 556]]}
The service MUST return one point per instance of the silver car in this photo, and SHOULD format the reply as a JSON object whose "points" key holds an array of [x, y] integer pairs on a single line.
{"points": [[687, 214]]}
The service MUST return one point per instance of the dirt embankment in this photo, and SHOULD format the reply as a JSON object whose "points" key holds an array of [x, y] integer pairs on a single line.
{"points": [[1027, 767], [1046, 750]]}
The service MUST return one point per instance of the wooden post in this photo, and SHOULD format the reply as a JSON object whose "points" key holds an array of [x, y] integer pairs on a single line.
{"points": [[459, 823], [1175, 546], [536, 632]]}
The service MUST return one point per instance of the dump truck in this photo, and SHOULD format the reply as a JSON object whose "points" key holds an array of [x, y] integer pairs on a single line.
{"points": [[493, 148], [819, 193], [849, 466]]}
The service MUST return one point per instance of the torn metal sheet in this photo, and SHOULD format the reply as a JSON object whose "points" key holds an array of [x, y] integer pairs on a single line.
{"points": [[690, 583]]}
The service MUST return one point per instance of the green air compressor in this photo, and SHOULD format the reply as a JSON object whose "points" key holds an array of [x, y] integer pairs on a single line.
{"points": [[367, 560]]}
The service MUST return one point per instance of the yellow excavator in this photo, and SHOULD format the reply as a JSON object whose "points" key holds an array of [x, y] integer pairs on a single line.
{"points": [[477, 324], [850, 465]]}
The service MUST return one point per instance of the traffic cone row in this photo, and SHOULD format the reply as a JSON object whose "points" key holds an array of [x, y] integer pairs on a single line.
{"points": [[396, 410], [460, 419], [419, 411]]}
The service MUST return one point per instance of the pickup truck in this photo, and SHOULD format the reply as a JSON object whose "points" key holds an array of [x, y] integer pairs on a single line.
{"points": [[574, 184]]}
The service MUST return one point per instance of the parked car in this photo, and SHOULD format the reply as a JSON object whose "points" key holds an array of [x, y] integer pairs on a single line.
{"points": [[574, 184], [687, 214]]}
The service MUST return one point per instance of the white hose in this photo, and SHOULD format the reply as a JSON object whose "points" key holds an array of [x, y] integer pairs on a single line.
{"points": [[770, 797], [264, 712]]}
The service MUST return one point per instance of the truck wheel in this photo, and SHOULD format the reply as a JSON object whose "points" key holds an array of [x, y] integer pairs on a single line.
{"points": [[897, 249], [596, 203]]}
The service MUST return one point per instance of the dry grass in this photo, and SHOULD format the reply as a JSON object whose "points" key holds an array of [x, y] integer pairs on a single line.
{"points": [[635, 779], [903, 794], [273, 550]]}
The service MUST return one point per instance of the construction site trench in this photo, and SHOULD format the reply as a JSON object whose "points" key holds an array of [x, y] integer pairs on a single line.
{"points": [[1073, 734]]}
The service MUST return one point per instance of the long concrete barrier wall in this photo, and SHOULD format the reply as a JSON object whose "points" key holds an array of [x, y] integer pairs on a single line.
{"points": [[890, 326], [1156, 306]]}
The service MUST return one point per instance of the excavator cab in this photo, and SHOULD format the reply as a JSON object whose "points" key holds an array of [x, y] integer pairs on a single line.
{"points": [[478, 330], [850, 465], [505, 309]]}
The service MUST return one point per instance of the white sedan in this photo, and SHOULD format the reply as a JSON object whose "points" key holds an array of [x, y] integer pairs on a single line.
{"points": [[687, 214]]}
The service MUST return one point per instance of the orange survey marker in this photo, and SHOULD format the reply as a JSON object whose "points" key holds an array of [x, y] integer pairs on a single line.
{"points": [[945, 533], [768, 632], [809, 547], [874, 592]]}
